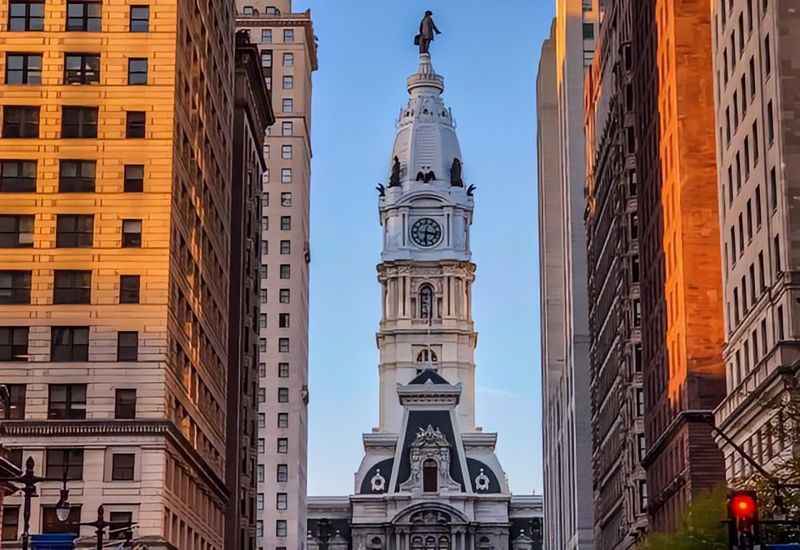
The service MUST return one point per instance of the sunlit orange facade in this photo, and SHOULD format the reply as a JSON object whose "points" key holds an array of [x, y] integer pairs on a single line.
{"points": [[114, 188], [682, 322]]}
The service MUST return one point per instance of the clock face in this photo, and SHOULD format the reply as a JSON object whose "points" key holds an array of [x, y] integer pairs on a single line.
{"points": [[426, 232]]}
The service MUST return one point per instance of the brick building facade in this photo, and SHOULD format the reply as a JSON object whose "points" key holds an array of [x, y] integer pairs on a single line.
{"points": [[682, 302]]}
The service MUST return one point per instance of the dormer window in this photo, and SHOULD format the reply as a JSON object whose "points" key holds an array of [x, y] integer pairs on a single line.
{"points": [[427, 356], [430, 476], [248, 10], [272, 10]]}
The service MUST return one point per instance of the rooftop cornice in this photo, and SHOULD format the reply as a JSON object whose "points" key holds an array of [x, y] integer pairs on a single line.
{"points": [[380, 439], [479, 439], [285, 20], [429, 394], [337, 501], [518, 502], [75, 429]]}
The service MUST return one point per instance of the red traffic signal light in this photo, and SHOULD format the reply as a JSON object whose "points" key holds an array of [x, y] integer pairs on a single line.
{"points": [[742, 506], [743, 519]]}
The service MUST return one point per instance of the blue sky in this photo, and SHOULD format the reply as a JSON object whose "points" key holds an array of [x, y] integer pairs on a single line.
{"points": [[489, 59]]}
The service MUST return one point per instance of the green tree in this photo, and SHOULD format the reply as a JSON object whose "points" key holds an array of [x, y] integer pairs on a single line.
{"points": [[701, 528]]}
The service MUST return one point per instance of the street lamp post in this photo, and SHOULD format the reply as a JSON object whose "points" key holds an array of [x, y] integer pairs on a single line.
{"points": [[29, 480], [100, 525]]}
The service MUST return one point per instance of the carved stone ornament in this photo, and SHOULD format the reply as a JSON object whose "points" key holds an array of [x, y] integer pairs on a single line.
{"points": [[430, 437], [430, 517], [482, 482], [430, 444], [378, 482]]}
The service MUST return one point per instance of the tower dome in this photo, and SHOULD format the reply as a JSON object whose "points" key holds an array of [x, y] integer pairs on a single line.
{"points": [[426, 143]]}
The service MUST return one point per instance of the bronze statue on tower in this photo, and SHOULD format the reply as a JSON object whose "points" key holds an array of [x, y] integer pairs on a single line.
{"points": [[427, 32]]}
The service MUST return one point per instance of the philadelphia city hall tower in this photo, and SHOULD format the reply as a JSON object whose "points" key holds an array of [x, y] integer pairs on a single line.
{"points": [[429, 479]]}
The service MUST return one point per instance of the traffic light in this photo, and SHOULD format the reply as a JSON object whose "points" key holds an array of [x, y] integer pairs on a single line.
{"points": [[743, 517]]}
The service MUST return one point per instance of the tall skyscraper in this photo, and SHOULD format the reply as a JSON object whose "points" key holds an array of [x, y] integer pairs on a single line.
{"points": [[754, 44], [566, 405], [251, 116], [115, 161], [430, 478], [551, 277], [288, 58], [682, 329], [618, 440]]}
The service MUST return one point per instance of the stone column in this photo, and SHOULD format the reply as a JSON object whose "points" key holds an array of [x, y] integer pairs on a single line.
{"points": [[407, 285]]}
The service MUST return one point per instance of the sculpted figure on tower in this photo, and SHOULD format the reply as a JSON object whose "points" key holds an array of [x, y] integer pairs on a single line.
{"points": [[427, 32]]}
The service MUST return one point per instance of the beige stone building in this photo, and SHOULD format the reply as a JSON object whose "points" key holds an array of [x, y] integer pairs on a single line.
{"points": [[115, 215], [288, 58], [566, 405], [754, 48]]}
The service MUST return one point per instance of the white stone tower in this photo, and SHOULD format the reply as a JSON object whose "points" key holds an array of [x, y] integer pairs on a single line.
{"points": [[429, 479], [426, 272]]}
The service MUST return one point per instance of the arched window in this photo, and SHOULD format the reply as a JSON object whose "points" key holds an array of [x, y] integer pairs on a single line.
{"points": [[444, 543], [416, 544], [425, 357], [430, 475], [484, 544], [430, 543], [426, 302]]}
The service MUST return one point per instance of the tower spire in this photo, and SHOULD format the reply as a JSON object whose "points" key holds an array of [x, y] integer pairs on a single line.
{"points": [[425, 80]]}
